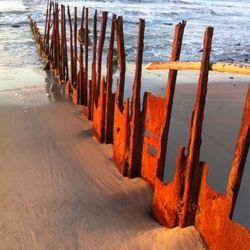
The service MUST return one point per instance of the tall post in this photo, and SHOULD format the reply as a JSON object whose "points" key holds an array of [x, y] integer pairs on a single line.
{"points": [[109, 112], [121, 58], [172, 75], [100, 50], [46, 26], [192, 172], [86, 40], [58, 45], [81, 77], [71, 49], [62, 71], [75, 51], [48, 31], [135, 150], [93, 81], [240, 156]]}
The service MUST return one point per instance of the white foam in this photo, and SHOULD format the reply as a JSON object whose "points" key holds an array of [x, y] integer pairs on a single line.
{"points": [[11, 6]]}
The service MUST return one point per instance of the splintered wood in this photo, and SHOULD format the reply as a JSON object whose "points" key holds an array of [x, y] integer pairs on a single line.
{"points": [[140, 134]]}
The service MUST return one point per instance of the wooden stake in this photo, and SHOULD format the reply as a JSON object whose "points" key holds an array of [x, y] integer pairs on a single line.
{"points": [[121, 57], [191, 178], [240, 156], [100, 49], [86, 38], [71, 50], [135, 151], [172, 75], [109, 112]]}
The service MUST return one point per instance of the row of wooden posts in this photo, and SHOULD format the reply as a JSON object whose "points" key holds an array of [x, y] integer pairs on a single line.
{"points": [[187, 200]]}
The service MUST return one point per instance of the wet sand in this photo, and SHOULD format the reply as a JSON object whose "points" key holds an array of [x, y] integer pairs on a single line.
{"points": [[60, 190]]}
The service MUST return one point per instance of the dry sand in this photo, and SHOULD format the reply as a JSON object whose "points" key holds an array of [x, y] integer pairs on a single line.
{"points": [[59, 188]]}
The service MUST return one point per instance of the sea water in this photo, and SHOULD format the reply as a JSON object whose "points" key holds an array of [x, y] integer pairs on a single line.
{"points": [[231, 20]]}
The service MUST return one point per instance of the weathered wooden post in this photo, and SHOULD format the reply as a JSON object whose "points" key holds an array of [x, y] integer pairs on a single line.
{"points": [[47, 48], [100, 50], [121, 111], [65, 52], [110, 97], [92, 92], [240, 156], [136, 130], [71, 82], [81, 77], [53, 38], [172, 75], [121, 58], [86, 41], [46, 26], [58, 45], [192, 176], [75, 53]]}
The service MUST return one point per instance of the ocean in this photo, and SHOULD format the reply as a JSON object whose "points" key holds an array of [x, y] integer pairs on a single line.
{"points": [[231, 20]]}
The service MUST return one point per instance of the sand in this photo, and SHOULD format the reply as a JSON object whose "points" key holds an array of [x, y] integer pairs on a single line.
{"points": [[59, 188]]}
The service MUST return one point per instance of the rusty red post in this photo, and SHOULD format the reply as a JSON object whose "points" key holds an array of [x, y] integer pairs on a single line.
{"points": [[71, 49], [192, 169], [175, 56], [45, 28], [81, 77], [58, 45], [48, 31], [92, 98], [109, 112], [75, 52], [86, 38], [100, 50], [64, 44], [121, 58], [135, 150], [62, 71], [240, 156], [53, 38]]}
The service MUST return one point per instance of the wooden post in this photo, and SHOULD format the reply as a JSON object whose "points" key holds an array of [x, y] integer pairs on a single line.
{"points": [[100, 49], [135, 150], [109, 111], [62, 71], [53, 39], [92, 98], [65, 55], [71, 49], [58, 43], [86, 38], [240, 156], [192, 169], [47, 49], [81, 77], [45, 28], [75, 52], [121, 57], [172, 75]]}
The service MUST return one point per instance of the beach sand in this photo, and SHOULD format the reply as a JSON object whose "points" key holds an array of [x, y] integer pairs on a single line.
{"points": [[59, 188]]}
